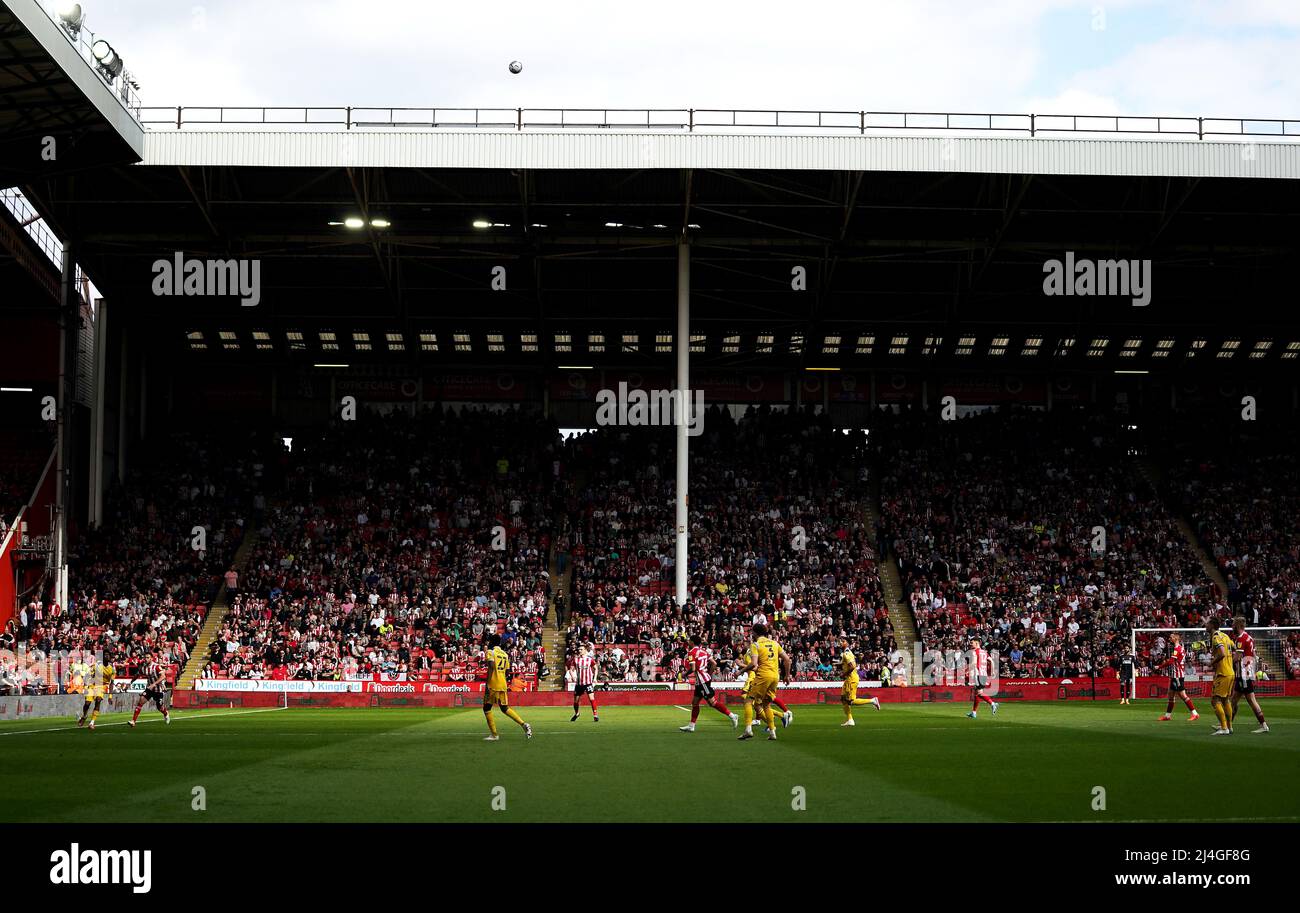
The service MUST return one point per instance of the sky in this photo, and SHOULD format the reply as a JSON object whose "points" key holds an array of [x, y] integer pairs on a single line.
{"points": [[1140, 57]]}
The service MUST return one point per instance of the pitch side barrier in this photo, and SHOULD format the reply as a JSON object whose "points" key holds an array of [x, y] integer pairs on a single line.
{"points": [[261, 693]]}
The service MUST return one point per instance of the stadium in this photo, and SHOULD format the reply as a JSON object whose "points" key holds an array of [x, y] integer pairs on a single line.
{"points": [[975, 433]]}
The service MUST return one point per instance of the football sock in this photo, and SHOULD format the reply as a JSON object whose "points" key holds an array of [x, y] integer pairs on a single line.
{"points": [[492, 723], [510, 712], [778, 703], [135, 716], [695, 712], [721, 708], [1223, 717], [848, 711], [859, 701], [1169, 708], [767, 717], [749, 715], [594, 710], [1186, 700]]}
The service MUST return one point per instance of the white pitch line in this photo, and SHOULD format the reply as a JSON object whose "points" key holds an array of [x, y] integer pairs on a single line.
{"points": [[152, 719], [680, 707]]}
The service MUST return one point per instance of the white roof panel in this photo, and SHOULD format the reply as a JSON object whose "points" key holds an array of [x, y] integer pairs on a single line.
{"points": [[559, 150]]}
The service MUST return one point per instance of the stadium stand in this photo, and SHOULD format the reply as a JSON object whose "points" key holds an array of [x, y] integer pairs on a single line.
{"points": [[993, 523], [396, 543], [754, 482]]}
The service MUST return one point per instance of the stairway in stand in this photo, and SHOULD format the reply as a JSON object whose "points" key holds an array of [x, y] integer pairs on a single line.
{"points": [[216, 615], [1152, 472], [552, 637], [891, 582]]}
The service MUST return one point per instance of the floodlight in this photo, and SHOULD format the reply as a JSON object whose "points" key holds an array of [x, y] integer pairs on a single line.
{"points": [[107, 59], [72, 17]]}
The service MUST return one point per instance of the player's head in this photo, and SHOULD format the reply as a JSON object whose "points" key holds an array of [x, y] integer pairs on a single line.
{"points": [[844, 643], [1239, 624], [492, 640], [697, 639], [1211, 624], [974, 643], [1175, 636], [760, 630]]}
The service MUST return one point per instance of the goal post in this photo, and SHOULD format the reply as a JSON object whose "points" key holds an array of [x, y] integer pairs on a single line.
{"points": [[1277, 651]]}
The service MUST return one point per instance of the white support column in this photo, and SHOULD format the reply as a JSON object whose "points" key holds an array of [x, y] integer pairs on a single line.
{"points": [[69, 326], [681, 557], [96, 512]]}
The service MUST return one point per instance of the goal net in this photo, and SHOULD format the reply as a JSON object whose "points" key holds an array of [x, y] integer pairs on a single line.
{"points": [[1277, 652]]}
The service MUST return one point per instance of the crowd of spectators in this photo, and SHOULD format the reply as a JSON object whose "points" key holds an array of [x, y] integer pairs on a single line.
{"points": [[399, 540], [1035, 532], [386, 546], [142, 582], [778, 535], [1242, 497]]}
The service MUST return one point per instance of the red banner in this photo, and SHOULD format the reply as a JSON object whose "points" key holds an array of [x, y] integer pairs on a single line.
{"points": [[734, 387], [851, 388], [898, 388], [378, 389], [573, 386], [480, 386], [807, 693], [989, 390]]}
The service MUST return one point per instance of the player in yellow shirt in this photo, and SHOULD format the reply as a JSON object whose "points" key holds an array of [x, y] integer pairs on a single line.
{"points": [[496, 686], [849, 694], [769, 664], [99, 682], [786, 716], [1221, 647]]}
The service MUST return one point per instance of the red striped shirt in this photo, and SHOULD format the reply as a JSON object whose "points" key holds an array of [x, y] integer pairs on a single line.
{"points": [[1177, 661], [1247, 645], [698, 661], [585, 665]]}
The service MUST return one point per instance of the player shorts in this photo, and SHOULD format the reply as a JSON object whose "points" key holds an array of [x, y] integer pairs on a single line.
{"points": [[704, 692], [580, 690], [849, 692], [1176, 685], [95, 693], [763, 689], [496, 697], [979, 682], [749, 683], [1223, 685], [157, 695], [1244, 685]]}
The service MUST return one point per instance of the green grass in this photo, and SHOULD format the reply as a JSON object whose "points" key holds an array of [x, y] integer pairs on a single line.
{"points": [[910, 762]]}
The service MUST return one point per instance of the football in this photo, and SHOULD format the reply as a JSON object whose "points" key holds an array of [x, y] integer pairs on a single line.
{"points": [[516, 66]]}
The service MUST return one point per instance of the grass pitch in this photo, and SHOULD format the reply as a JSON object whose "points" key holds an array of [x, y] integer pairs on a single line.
{"points": [[908, 762]]}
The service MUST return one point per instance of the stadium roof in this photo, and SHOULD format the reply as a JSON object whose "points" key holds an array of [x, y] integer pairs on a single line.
{"points": [[924, 246], [49, 89], [638, 150]]}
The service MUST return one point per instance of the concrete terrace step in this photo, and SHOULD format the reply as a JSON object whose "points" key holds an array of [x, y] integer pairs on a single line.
{"points": [[891, 582], [216, 616], [1154, 473]]}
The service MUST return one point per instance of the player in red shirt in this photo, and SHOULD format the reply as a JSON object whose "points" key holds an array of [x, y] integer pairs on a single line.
{"points": [[979, 679], [701, 664], [1177, 663], [584, 668], [1245, 681], [155, 689]]}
